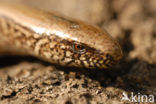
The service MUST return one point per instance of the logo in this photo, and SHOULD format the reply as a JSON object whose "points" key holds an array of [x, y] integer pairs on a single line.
{"points": [[137, 97]]}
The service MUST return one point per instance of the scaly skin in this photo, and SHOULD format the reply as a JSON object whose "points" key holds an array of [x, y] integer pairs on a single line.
{"points": [[56, 39]]}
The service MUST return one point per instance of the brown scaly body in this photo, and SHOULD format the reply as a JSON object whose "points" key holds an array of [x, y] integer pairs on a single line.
{"points": [[29, 31]]}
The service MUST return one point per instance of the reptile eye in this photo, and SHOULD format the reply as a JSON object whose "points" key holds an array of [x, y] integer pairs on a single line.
{"points": [[78, 48]]}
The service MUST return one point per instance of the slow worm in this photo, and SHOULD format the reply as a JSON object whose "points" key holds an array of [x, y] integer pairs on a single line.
{"points": [[54, 38]]}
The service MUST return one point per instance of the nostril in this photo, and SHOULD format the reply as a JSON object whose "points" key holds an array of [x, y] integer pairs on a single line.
{"points": [[119, 53]]}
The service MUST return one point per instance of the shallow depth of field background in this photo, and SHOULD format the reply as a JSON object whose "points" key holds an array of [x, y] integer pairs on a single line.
{"points": [[131, 22]]}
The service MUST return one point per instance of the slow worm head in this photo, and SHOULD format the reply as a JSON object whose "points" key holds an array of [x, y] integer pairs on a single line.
{"points": [[56, 39]]}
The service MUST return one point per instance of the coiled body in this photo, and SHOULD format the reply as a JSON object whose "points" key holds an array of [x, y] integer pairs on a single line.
{"points": [[56, 39]]}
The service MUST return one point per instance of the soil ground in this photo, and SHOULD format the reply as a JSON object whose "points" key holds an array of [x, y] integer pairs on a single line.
{"points": [[26, 80]]}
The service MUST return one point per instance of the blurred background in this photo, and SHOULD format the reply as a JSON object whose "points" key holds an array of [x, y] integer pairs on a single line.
{"points": [[131, 22]]}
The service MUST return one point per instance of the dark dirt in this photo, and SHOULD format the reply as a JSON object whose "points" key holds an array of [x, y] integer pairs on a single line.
{"points": [[26, 80]]}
